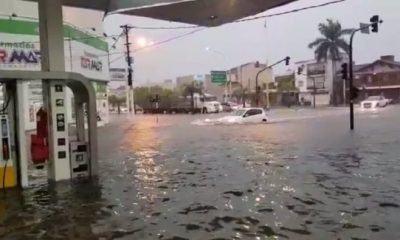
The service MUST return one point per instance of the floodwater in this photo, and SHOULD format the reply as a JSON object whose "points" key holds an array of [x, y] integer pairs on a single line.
{"points": [[310, 178]]}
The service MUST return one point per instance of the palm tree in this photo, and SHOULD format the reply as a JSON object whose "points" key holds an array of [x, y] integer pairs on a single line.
{"points": [[330, 46], [190, 90]]}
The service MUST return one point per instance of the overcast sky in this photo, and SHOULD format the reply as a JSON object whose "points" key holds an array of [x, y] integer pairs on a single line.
{"points": [[239, 43]]}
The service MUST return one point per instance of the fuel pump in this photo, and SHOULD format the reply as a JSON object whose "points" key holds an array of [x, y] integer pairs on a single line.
{"points": [[7, 165], [39, 144]]}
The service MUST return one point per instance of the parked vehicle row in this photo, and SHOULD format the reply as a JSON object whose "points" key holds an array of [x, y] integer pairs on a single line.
{"points": [[198, 103]]}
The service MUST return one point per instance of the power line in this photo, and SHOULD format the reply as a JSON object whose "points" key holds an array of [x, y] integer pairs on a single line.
{"points": [[162, 42], [166, 28], [169, 40]]}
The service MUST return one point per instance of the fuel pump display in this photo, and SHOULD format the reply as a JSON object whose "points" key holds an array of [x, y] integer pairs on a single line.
{"points": [[7, 168]]}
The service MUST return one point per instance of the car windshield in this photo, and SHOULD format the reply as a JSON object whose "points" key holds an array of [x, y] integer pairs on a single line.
{"points": [[374, 98], [239, 112]]}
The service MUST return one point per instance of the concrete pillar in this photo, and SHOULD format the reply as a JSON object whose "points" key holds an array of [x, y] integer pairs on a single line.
{"points": [[80, 121], [21, 109], [54, 92]]}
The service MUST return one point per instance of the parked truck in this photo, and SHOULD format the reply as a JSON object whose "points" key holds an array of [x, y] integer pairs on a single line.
{"points": [[202, 103]]}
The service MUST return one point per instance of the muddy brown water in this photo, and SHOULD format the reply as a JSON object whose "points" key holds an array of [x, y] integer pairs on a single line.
{"points": [[304, 179]]}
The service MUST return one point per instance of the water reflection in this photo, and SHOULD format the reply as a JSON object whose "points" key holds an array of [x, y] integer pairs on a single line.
{"points": [[65, 211]]}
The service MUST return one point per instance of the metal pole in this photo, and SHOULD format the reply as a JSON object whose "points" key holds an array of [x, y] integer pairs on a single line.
{"points": [[351, 80], [262, 70], [257, 89], [230, 85], [108, 59], [315, 91], [243, 98], [267, 93], [70, 52], [351, 75]]}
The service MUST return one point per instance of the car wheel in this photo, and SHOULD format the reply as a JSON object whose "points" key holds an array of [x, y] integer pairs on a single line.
{"points": [[264, 120]]}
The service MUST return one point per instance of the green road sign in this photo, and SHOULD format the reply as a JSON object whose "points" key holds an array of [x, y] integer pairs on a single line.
{"points": [[218, 76]]}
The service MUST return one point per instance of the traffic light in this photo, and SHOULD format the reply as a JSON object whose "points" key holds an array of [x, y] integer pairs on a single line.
{"points": [[300, 70], [130, 78], [345, 74], [287, 61], [375, 22], [354, 93]]}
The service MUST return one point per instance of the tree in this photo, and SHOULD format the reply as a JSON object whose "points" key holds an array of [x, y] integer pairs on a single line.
{"points": [[286, 84], [330, 46], [117, 101], [190, 90], [167, 98], [238, 94]]}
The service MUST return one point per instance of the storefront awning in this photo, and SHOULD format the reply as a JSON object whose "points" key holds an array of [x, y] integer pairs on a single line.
{"points": [[197, 12]]}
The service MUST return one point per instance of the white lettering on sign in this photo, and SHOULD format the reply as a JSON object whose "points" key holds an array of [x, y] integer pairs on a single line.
{"points": [[91, 62]]}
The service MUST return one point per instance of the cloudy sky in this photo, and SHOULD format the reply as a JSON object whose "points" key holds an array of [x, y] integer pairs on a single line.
{"points": [[262, 40]]}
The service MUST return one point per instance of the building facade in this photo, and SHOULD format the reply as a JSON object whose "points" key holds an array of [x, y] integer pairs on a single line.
{"points": [[245, 76], [168, 84], [381, 77], [315, 81]]}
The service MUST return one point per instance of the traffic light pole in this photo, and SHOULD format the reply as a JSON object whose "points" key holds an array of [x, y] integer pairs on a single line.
{"points": [[351, 75], [351, 79], [286, 59]]}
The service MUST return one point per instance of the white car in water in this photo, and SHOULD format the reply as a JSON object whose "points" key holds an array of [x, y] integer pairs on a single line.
{"points": [[246, 115], [373, 102]]}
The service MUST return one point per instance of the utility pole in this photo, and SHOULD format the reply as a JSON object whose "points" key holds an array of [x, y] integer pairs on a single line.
{"points": [[126, 28]]}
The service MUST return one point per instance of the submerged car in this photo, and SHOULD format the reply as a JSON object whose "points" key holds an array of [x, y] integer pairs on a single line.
{"points": [[373, 102], [246, 115]]}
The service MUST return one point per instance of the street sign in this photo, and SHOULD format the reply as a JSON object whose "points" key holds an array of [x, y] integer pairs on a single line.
{"points": [[218, 77], [364, 28]]}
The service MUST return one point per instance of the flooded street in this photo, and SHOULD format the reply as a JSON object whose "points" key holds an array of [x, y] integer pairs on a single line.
{"points": [[305, 178]]}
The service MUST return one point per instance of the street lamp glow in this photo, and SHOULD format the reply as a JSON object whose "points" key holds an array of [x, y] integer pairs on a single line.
{"points": [[141, 42]]}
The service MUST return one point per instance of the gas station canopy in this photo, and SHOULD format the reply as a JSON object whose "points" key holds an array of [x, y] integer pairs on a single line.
{"points": [[198, 12]]}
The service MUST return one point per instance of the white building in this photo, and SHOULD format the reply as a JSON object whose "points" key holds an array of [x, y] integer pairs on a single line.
{"points": [[316, 77], [85, 53], [245, 75]]}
